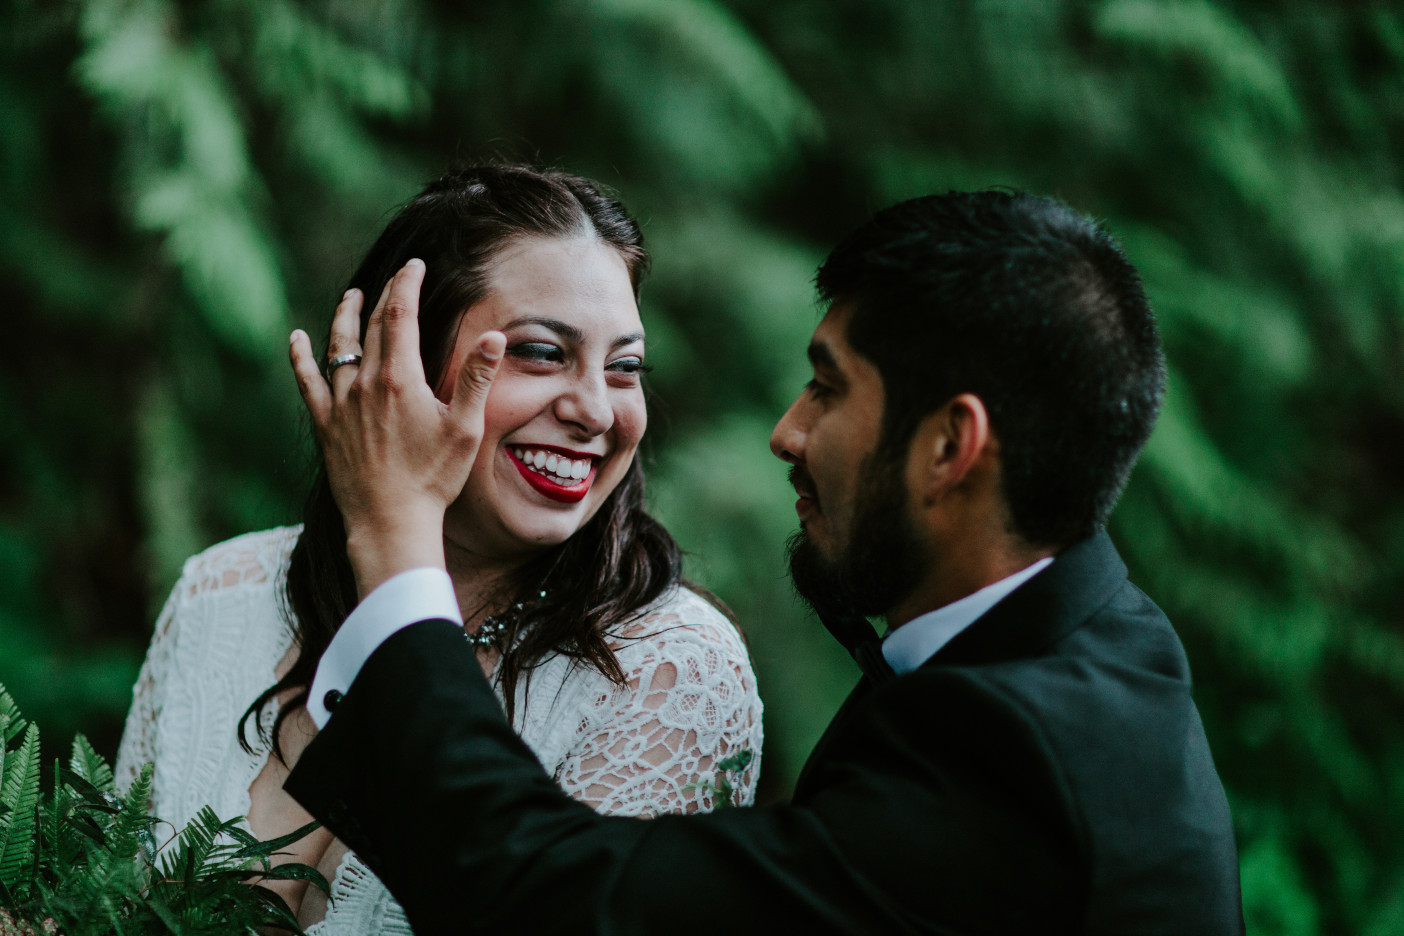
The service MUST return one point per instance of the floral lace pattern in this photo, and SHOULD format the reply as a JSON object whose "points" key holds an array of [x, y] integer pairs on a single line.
{"points": [[648, 747]]}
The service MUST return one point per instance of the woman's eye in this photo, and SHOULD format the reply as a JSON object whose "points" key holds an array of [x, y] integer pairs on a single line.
{"points": [[536, 351], [629, 365]]}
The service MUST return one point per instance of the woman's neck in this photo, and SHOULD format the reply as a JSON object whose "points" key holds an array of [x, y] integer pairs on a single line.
{"points": [[477, 582]]}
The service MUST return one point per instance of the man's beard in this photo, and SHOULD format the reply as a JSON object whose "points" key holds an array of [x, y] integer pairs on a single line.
{"points": [[882, 561]]}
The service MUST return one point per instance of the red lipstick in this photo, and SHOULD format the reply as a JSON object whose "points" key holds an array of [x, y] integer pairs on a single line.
{"points": [[549, 489]]}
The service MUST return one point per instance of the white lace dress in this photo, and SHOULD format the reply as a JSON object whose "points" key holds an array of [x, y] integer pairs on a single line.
{"points": [[648, 747]]}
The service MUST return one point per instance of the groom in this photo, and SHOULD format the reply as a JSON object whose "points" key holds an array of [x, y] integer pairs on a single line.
{"points": [[1022, 754]]}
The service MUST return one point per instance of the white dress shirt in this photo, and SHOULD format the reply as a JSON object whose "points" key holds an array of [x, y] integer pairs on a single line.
{"points": [[914, 642], [416, 595]]}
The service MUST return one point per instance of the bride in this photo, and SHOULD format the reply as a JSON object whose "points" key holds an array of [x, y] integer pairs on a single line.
{"points": [[629, 686]]}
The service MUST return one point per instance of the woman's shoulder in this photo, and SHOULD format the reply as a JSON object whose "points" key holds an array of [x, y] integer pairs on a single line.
{"points": [[682, 615], [250, 560]]}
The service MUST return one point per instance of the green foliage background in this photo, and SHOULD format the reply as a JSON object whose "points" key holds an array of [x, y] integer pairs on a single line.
{"points": [[181, 183]]}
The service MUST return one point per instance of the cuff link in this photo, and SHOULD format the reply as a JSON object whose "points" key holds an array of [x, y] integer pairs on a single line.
{"points": [[331, 700]]}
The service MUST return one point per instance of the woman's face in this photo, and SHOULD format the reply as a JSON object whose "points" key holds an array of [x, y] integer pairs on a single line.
{"points": [[566, 411]]}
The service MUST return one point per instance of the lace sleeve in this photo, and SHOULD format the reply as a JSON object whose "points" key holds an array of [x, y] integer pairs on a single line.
{"points": [[221, 618], [138, 745], [674, 736]]}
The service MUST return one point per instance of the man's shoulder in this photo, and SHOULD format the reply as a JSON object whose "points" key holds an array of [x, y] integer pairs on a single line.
{"points": [[1100, 728], [1123, 656], [1118, 685]]}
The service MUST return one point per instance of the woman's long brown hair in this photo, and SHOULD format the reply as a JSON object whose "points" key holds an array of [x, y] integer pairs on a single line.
{"points": [[620, 561]]}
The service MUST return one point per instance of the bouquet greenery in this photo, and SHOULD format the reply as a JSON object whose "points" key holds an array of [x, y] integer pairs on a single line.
{"points": [[82, 860]]}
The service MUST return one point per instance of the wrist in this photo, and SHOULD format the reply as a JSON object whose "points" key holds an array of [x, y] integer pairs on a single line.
{"points": [[380, 548]]}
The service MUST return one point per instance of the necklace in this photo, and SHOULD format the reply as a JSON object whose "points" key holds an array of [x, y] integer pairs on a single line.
{"points": [[495, 625], [490, 630]]}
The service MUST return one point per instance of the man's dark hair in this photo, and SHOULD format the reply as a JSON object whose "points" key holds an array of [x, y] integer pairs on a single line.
{"points": [[1029, 306]]}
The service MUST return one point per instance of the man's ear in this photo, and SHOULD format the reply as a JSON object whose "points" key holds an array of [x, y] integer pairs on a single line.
{"points": [[948, 444]]}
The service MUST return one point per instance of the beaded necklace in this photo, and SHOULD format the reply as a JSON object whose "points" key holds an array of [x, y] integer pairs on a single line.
{"points": [[495, 625]]}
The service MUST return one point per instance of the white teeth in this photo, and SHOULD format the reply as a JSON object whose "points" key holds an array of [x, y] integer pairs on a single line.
{"points": [[561, 469]]}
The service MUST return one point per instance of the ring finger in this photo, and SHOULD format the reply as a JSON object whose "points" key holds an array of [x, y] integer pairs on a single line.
{"points": [[344, 343]]}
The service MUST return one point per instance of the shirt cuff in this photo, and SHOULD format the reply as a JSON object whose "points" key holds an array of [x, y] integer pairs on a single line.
{"points": [[408, 598]]}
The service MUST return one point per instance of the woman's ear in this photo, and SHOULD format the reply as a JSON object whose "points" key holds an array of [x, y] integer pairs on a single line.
{"points": [[948, 444]]}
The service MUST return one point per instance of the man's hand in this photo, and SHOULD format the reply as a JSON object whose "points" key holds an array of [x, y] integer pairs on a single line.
{"points": [[396, 455]]}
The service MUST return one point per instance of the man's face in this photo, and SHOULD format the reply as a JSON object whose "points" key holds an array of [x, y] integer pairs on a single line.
{"points": [[856, 553]]}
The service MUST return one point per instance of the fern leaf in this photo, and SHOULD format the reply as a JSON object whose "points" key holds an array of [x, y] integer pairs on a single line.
{"points": [[11, 722], [193, 847], [204, 832], [294, 871], [738, 761], [280, 914], [89, 764], [114, 880], [112, 867], [20, 792], [264, 849], [124, 838], [88, 796]]}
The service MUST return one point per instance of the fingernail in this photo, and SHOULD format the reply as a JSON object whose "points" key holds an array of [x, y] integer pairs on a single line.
{"points": [[292, 339], [347, 295], [415, 262]]}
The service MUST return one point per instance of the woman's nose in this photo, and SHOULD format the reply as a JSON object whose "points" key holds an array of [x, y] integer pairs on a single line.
{"points": [[586, 405]]}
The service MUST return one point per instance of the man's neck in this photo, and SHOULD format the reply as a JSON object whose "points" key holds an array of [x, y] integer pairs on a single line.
{"points": [[953, 577]]}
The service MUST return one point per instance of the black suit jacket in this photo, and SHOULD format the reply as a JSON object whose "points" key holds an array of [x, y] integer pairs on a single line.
{"points": [[1045, 772]]}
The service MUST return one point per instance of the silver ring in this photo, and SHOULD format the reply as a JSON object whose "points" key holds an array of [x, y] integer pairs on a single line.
{"points": [[339, 360]]}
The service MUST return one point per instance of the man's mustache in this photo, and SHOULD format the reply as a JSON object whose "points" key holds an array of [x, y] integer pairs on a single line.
{"points": [[802, 482]]}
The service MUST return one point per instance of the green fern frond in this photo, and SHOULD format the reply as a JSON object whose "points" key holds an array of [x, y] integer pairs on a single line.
{"points": [[738, 761], [258, 849], [11, 722], [88, 764], [81, 858], [20, 793], [113, 870], [125, 838], [21, 796]]}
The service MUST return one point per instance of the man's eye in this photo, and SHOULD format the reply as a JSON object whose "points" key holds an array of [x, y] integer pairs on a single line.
{"points": [[816, 389], [536, 351], [629, 365]]}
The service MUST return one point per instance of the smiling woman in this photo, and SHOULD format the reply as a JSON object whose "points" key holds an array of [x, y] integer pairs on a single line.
{"points": [[569, 393], [628, 685]]}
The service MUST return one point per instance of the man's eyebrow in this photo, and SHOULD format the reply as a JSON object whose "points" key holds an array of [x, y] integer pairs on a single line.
{"points": [[570, 332], [821, 357]]}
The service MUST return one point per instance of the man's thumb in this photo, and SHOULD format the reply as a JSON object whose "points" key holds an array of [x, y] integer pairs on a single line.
{"points": [[476, 376]]}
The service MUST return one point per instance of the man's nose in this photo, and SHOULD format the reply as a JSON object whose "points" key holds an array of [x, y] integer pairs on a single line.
{"points": [[587, 405], [787, 438]]}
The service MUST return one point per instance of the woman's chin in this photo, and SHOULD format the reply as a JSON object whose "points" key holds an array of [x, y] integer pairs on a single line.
{"points": [[518, 533], [522, 522]]}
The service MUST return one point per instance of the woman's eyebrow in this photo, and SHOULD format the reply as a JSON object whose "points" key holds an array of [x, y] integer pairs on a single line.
{"points": [[570, 332], [566, 331]]}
